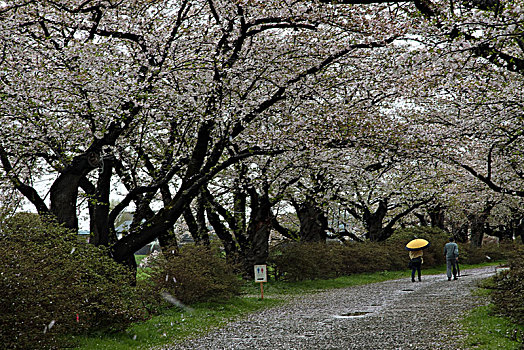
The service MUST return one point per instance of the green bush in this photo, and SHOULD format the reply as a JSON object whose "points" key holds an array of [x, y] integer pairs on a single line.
{"points": [[508, 293], [302, 261], [53, 285], [296, 261], [195, 273], [486, 253]]}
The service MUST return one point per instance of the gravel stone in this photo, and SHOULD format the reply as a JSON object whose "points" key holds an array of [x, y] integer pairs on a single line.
{"points": [[396, 314]]}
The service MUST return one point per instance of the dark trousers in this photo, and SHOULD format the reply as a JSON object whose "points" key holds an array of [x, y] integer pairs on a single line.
{"points": [[415, 267], [451, 267]]}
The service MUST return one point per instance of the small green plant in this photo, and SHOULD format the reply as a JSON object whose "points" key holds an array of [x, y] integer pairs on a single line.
{"points": [[194, 273]]}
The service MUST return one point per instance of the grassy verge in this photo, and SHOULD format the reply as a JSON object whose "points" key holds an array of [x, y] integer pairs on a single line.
{"points": [[487, 331], [177, 324]]}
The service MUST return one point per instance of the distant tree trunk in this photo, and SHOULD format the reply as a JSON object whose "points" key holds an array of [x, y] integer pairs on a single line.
{"points": [[517, 225], [477, 231], [203, 231], [258, 230], [437, 217], [478, 224], [197, 225], [239, 222], [502, 232], [222, 232], [233, 238], [191, 222], [284, 231], [461, 233], [313, 221], [374, 223], [422, 219], [519, 229]]}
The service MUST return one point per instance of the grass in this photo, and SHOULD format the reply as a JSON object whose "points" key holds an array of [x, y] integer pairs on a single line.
{"points": [[311, 286], [177, 324], [487, 331]]}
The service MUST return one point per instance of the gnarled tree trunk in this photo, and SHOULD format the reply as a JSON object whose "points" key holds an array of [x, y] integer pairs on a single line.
{"points": [[313, 222], [374, 222]]}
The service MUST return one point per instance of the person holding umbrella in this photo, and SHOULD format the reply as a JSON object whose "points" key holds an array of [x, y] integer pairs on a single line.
{"points": [[415, 248]]}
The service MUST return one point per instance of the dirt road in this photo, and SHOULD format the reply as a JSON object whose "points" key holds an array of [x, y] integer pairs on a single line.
{"points": [[395, 314]]}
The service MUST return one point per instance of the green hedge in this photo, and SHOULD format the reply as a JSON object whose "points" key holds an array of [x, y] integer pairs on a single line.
{"points": [[194, 273], [304, 261], [54, 286]]}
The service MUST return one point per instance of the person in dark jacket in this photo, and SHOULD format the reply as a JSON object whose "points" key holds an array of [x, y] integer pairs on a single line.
{"points": [[451, 252], [415, 263]]}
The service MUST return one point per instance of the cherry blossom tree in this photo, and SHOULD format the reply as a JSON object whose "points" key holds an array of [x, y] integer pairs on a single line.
{"points": [[148, 97]]}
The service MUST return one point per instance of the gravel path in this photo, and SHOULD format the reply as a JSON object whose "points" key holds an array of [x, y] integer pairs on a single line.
{"points": [[395, 314]]}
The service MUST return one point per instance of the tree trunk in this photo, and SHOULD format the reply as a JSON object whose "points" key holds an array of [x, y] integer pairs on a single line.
{"points": [[313, 222], [477, 231], [478, 225], [374, 223], [519, 230], [191, 223], [422, 219], [517, 225], [437, 217], [258, 231], [502, 232], [202, 232], [461, 233], [197, 224], [228, 241], [100, 207], [64, 191]]}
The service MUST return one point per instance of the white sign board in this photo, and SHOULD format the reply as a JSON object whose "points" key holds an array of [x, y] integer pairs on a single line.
{"points": [[260, 273]]}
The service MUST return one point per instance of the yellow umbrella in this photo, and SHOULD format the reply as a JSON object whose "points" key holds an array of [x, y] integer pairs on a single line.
{"points": [[417, 244]]}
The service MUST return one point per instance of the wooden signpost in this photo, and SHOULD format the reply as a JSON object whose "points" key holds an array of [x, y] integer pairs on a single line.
{"points": [[261, 277]]}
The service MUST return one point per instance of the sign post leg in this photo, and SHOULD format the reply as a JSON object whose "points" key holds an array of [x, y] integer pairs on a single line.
{"points": [[261, 290]]}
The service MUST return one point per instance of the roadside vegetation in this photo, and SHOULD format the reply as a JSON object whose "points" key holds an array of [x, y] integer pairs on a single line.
{"points": [[499, 325], [488, 330], [65, 293], [176, 324]]}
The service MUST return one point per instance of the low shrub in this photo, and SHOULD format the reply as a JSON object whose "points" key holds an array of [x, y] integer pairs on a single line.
{"points": [[508, 292], [486, 253], [194, 273], [294, 261], [305, 261], [53, 285]]}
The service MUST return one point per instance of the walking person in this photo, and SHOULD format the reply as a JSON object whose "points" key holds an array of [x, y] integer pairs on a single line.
{"points": [[415, 261], [415, 248], [451, 252]]}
